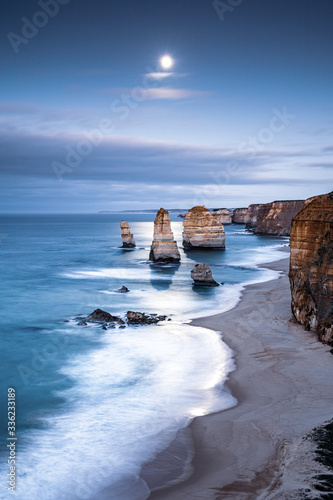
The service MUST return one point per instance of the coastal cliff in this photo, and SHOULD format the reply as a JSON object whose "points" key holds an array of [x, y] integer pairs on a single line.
{"points": [[275, 218], [252, 215], [164, 248], [240, 216], [223, 215], [202, 229], [311, 267], [126, 235]]}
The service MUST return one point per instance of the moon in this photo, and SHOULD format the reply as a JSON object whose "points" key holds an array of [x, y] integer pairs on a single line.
{"points": [[166, 62]]}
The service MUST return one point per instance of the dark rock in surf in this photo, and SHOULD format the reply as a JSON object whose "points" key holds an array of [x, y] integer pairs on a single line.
{"points": [[138, 318], [202, 276]]}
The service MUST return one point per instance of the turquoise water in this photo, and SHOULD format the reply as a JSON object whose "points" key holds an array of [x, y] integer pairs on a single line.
{"points": [[94, 405]]}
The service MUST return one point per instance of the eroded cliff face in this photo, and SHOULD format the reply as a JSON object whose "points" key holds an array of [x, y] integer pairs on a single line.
{"points": [[275, 218], [126, 235], [252, 214], [164, 248], [240, 216], [311, 267], [223, 215], [202, 229]]}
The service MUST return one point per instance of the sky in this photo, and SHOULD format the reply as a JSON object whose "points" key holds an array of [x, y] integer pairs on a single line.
{"points": [[90, 121]]}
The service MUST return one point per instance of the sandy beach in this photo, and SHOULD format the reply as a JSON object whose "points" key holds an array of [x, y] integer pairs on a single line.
{"points": [[283, 384]]}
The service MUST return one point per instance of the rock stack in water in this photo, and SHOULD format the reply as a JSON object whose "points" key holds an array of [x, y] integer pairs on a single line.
{"points": [[164, 248], [223, 215], [127, 237], [252, 215], [311, 266], [240, 216], [202, 276], [202, 229]]}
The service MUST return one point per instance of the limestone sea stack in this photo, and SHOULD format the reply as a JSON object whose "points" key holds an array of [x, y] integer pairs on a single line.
{"points": [[311, 267], [240, 216], [223, 215], [202, 229], [202, 276], [127, 237], [164, 248]]}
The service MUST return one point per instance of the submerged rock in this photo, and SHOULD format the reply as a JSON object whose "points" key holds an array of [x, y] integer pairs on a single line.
{"points": [[138, 318], [202, 229], [164, 248], [127, 236], [311, 266], [123, 289], [202, 276]]}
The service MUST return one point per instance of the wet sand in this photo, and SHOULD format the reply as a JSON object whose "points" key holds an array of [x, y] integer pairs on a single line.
{"points": [[283, 384]]}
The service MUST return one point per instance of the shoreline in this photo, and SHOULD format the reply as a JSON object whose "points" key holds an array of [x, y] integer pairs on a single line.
{"points": [[282, 384]]}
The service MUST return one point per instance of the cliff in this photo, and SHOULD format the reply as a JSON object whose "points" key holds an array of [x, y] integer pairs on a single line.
{"points": [[127, 237], [275, 218], [164, 248], [240, 216], [202, 229], [223, 215], [252, 214], [311, 267]]}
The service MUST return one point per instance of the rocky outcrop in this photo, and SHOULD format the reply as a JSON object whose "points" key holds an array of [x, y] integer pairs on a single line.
{"points": [[240, 216], [102, 316], [275, 218], [311, 267], [252, 213], [164, 248], [223, 215], [202, 276], [202, 230], [138, 318], [127, 237], [105, 319]]}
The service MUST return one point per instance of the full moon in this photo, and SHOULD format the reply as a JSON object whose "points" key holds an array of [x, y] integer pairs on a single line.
{"points": [[166, 62]]}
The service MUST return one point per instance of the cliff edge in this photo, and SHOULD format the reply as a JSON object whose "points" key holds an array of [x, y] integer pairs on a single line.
{"points": [[311, 267]]}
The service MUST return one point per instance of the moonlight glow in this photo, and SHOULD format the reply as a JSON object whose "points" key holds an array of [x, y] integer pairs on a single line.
{"points": [[166, 62]]}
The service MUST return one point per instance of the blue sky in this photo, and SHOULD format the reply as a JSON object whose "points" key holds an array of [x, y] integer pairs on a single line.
{"points": [[90, 121]]}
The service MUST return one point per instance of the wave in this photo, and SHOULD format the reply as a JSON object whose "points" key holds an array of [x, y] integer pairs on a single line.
{"points": [[130, 398]]}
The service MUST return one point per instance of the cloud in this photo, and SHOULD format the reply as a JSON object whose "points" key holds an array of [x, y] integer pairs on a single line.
{"points": [[139, 159], [171, 93], [159, 75]]}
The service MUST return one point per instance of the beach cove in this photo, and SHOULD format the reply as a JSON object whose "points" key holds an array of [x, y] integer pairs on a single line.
{"points": [[282, 382]]}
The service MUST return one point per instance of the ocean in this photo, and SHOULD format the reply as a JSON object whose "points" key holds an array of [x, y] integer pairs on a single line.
{"points": [[92, 405]]}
